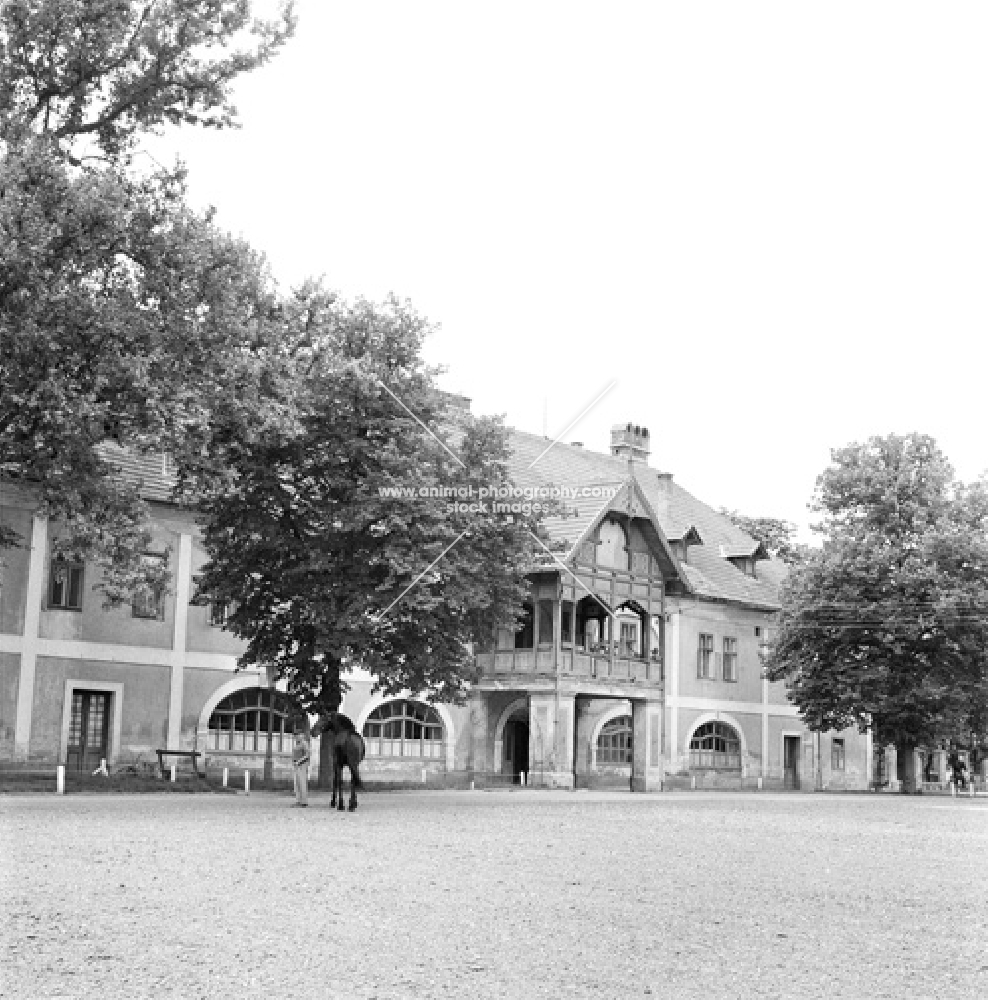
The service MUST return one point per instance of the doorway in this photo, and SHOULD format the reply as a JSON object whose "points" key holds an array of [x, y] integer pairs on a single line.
{"points": [[790, 762], [89, 730], [516, 748]]}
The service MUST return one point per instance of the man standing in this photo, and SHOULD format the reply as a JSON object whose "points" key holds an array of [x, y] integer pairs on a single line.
{"points": [[300, 762]]}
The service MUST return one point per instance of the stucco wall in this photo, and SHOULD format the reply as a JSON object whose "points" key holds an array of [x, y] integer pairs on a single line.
{"points": [[10, 668], [13, 570], [144, 709]]}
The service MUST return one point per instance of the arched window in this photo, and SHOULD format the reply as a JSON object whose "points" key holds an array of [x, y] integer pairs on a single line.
{"points": [[715, 745], [404, 729], [614, 741], [613, 549], [239, 723]]}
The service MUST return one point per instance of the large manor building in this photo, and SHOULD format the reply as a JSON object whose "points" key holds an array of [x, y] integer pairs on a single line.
{"points": [[637, 663]]}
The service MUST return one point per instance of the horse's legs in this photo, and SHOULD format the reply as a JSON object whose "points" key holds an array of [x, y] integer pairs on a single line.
{"points": [[332, 798], [354, 762], [339, 782]]}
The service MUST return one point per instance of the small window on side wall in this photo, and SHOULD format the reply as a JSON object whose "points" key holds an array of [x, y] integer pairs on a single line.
{"points": [[837, 754], [219, 613], [705, 656], [149, 602], [65, 586], [730, 659]]}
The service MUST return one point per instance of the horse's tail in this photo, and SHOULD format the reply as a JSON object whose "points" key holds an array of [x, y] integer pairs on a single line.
{"points": [[355, 754]]}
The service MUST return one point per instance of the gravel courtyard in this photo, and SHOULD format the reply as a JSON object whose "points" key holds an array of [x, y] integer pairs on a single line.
{"points": [[494, 894]]}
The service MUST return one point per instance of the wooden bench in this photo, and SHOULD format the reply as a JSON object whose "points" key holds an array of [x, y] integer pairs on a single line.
{"points": [[178, 753]]}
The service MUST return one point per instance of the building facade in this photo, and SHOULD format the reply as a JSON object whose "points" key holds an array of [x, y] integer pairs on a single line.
{"points": [[637, 663]]}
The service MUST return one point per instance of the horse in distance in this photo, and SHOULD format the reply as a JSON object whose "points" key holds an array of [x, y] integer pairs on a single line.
{"points": [[346, 750]]}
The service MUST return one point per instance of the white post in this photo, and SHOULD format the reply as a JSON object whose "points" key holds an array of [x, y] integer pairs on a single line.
{"points": [[759, 784], [953, 790], [247, 782], [693, 783], [471, 786], [60, 780], [226, 776], [424, 772], [173, 772], [523, 777]]}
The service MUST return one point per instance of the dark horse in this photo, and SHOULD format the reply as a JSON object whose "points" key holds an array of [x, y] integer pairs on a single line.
{"points": [[347, 750]]}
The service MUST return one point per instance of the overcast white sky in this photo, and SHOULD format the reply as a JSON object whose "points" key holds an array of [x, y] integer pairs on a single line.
{"points": [[767, 221]]}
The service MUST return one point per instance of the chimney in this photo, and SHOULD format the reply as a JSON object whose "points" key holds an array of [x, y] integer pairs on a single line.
{"points": [[631, 442]]}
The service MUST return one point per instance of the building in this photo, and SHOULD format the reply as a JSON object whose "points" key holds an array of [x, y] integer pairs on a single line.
{"points": [[638, 660]]}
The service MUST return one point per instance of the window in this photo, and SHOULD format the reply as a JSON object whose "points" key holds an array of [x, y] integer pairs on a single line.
{"points": [[404, 729], [614, 741], [715, 746], [629, 639], [837, 754], [65, 590], [525, 636], [239, 723], [219, 613], [149, 602], [545, 623], [613, 547], [730, 659], [705, 656], [566, 624]]}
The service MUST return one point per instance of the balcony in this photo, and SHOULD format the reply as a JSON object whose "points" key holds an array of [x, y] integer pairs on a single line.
{"points": [[578, 670]]}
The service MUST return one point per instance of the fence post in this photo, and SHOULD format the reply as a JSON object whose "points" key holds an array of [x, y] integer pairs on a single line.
{"points": [[523, 777], [226, 776], [247, 782], [60, 780], [173, 773], [424, 773]]}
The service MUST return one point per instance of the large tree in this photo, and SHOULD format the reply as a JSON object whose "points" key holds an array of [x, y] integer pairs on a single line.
{"points": [[124, 316], [96, 74], [322, 568], [886, 627]]}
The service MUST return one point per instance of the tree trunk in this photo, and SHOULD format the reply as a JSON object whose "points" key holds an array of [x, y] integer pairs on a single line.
{"points": [[906, 764]]}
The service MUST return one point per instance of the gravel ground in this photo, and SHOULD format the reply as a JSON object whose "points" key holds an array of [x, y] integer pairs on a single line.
{"points": [[494, 894]]}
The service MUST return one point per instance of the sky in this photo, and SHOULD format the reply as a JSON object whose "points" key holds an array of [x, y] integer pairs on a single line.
{"points": [[765, 223]]}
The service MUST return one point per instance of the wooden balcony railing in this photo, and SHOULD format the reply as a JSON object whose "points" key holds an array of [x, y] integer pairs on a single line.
{"points": [[576, 664]]}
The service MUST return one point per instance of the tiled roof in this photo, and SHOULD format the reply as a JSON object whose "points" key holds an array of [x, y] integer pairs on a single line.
{"points": [[153, 474], [709, 573]]}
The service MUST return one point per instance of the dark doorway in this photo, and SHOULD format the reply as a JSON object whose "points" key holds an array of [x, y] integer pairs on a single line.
{"points": [[89, 729], [516, 748], [790, 774]]}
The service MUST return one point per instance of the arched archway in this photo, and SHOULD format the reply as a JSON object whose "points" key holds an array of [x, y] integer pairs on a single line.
{"points": [[511, 736]]}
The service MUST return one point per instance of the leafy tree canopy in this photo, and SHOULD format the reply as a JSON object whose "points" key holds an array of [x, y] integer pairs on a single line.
{"points": [[108, 70], [325, 571], [887, 625], [124, 316]]}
